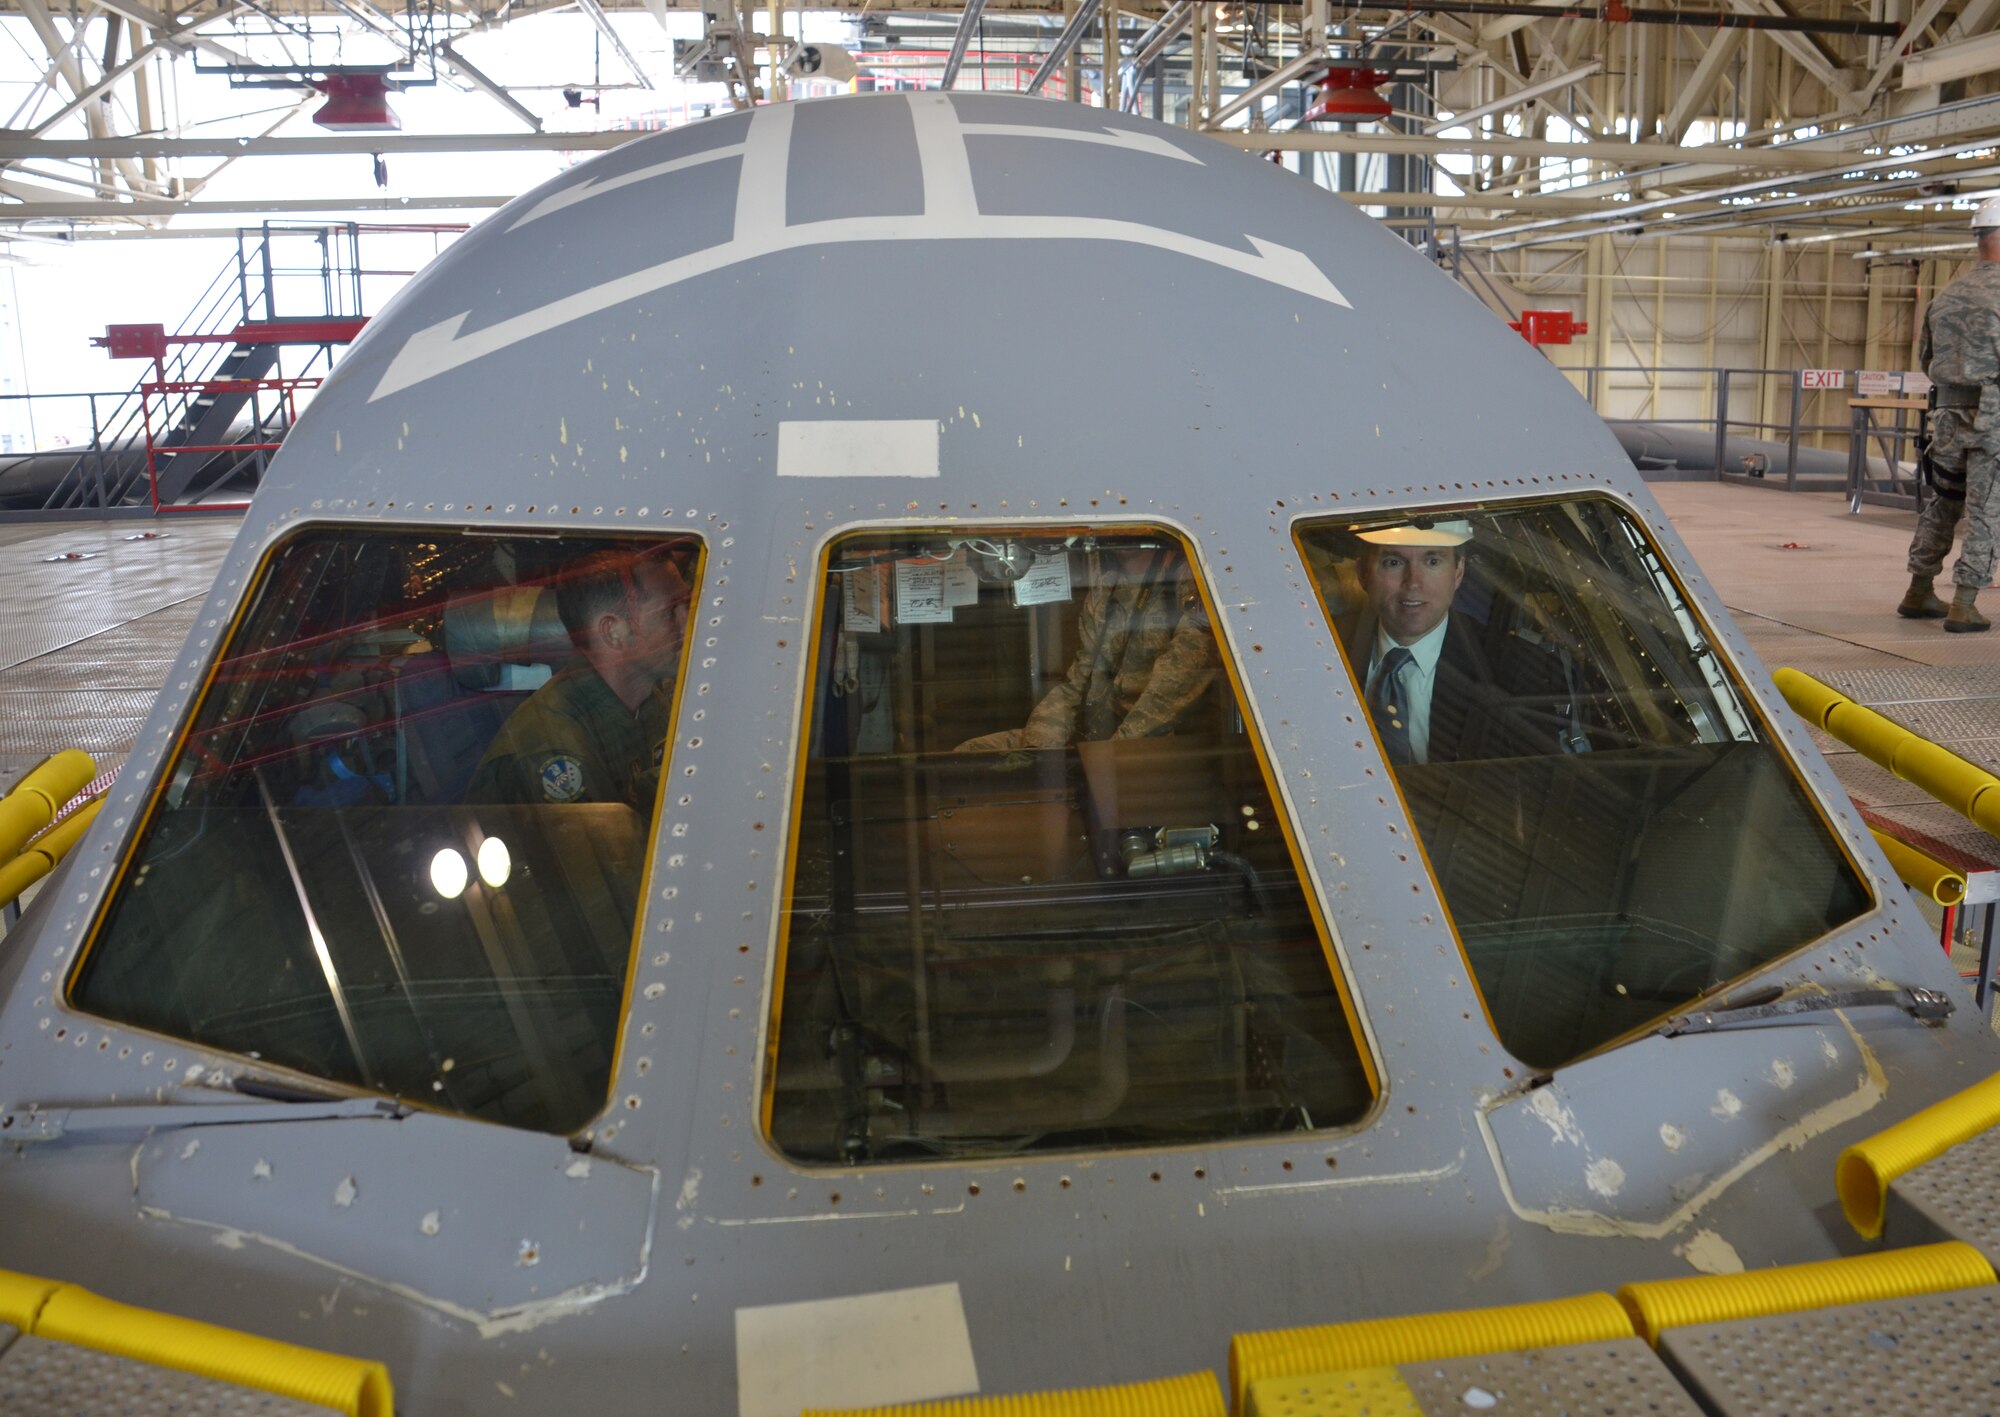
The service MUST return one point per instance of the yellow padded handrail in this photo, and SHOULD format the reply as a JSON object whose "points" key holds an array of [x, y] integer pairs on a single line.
{"points": [[1866, 1169], [1919, 871], [1417, 1338], [45, 851], [1966, 788], [1660, 1304], [22, 1297], [68, 1313], [1190, 1395], [37, 797]]}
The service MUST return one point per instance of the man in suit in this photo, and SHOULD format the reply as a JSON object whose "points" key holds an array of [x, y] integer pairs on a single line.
{"points": [[1428, 685]]}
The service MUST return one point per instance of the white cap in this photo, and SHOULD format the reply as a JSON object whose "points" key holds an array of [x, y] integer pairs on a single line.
{"points": [[1987, 213], [1453, 533]]}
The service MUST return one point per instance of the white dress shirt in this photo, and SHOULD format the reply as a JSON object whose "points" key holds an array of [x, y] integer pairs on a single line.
{"points": [[1417, 680]]}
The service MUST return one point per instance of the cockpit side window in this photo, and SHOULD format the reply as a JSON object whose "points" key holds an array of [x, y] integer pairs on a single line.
{"points": [[401, 846], [1041, 896], [1611, 826]]}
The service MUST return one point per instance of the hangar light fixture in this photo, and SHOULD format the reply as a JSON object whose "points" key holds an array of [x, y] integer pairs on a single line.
{"points": [[355, 103]]}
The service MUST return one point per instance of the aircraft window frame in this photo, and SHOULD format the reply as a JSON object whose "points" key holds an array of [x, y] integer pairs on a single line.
{"points": [[824, 616], [1720, 670], [685, 550]]}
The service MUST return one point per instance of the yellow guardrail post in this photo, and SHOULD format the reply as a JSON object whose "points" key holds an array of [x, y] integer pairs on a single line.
{"points": [[45, 851], [36, 798]]}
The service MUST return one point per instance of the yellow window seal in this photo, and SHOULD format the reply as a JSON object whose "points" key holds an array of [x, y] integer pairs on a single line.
{"points": [[67, 1313], [1865, 1170], [1660, 1304], [1190, 1395], [1417, 1338]]}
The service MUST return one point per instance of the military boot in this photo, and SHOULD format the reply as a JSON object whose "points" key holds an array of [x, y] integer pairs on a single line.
{"points": [[1964, 617], [1920, 602]]}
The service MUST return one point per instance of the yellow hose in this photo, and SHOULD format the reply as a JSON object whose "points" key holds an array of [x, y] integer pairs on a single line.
{"points": [[1660, 1304], [1966, 788], [1920, 872], [1416, 1338], [354, 1386], [45, 851], [1865, 1170], [1191, 1395], [36, 798]]}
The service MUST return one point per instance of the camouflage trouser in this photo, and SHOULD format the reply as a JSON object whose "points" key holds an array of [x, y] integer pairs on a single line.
{"points": [[1980, 513]]}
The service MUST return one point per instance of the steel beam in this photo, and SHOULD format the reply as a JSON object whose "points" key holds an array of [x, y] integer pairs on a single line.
{"points": [[488, 86], [15, 146], [968, 23], [1626, 156], [1071, 36], [1519, 96], [156, 207], [595, 12]]}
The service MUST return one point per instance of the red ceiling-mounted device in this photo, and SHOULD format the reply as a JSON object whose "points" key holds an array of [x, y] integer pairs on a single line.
{"points": [[1540, 327], [356, 102], [1347, 95]]}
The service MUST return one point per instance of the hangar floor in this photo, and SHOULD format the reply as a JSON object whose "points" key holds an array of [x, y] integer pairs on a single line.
{"points": [[92, 614]]}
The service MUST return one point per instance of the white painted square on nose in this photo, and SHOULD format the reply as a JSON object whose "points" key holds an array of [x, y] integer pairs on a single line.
{"points": [[858, 447], [861, 1350]]}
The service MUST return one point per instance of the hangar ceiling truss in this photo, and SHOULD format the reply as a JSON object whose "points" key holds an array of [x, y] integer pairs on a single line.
{"points": [[1510, 124]]}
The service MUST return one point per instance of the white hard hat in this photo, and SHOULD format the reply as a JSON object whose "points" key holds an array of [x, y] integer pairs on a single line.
{"points": [[1987, 213], [1453, 533]]}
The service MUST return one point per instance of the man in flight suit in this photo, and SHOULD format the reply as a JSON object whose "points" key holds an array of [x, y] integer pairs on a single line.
{"points": [[597, 731], [1145, 660], [1961, 354]]}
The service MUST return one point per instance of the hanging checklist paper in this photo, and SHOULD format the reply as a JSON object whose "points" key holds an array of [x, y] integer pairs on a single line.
{"points": [[1047, 580], [961, 582], [920, 593], [861, 606]]}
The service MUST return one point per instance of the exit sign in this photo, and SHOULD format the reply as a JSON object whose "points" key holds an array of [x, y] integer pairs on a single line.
{"points": [[1822, 378]]}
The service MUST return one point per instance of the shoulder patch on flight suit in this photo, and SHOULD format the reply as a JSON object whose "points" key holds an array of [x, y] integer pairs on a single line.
{"points": [[562, 778]]}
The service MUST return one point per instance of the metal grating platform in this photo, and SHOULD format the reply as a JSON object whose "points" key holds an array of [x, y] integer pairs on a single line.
{"points": [[86, 644], [1583, 1380], [43, 1379], [1935, 1354], [1955, 1197], [1916, 683]]}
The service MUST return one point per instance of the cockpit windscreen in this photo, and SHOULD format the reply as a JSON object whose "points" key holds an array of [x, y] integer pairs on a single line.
{"points": [[1041, 895], [401, 846], [1612, 829]]}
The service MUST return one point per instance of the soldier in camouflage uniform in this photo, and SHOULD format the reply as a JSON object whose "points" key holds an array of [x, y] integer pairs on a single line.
{"points": [[1146, 659], [1961, 355], [597, 731]]}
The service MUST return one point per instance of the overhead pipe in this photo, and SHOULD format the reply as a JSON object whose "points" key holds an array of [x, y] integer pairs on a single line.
{"points": [[1152, 44], [1694, 19], [38, 796], [1071, 36], [968, 22]]}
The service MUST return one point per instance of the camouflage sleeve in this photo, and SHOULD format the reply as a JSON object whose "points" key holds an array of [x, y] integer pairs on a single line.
{"points": [[542, 756], [1053, 723], [1180, 676]]}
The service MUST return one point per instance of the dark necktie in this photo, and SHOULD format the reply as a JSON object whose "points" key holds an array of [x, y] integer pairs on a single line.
{"points": [[1389, 702]]}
